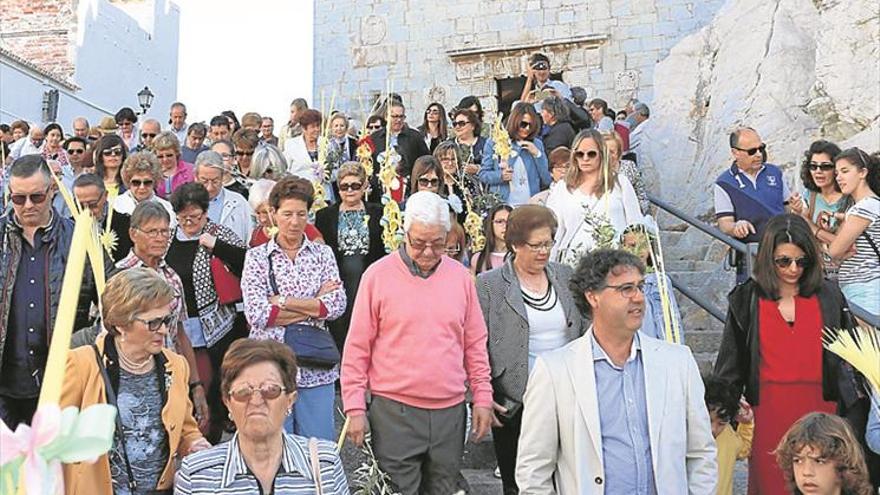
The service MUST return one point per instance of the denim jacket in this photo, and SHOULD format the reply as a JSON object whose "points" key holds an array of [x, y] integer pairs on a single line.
{"points": [[537, 169]]}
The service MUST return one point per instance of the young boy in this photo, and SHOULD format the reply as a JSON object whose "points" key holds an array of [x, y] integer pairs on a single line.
{"points": [[724, 406]]}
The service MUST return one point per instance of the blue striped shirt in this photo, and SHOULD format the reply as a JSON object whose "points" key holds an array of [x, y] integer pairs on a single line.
{"points": [[222, 469]]}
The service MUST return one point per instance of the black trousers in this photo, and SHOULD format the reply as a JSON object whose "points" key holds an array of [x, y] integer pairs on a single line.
{"points": [[506, 441], [14, 411]]}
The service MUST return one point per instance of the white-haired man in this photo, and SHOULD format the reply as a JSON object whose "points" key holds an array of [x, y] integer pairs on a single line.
{"points": [[417, 336], [226, 207]]}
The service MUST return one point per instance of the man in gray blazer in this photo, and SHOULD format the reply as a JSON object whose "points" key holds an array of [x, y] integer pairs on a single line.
{"points": [[615, 412]]}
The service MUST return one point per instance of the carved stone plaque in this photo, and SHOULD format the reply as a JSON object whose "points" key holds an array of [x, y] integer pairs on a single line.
{"points": [[373, 29]]}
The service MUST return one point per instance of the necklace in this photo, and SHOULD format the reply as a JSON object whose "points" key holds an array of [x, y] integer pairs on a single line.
{"points": [[542, 303], [132, 366]]}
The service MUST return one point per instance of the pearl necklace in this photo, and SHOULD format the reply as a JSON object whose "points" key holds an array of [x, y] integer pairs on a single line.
{"points": [[134, 367]]}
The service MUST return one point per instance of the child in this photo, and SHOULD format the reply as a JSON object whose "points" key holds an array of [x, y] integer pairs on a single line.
{"points": [[494, 252], [637, 240], [820, 454], [724, 406]]}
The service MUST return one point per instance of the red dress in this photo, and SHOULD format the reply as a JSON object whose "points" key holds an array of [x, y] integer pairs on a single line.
{"points": [[789, 384]]}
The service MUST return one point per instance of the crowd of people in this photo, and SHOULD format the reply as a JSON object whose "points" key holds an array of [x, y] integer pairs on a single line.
{"points": [[251, 279]]}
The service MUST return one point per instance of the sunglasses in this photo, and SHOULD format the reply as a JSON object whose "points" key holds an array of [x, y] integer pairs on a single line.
{"points": [[592, 154], [374, 127], [268, 391], [112, 152], [148, 135], [525, 125], [142, 183], [244, 153], [823, 166], [156, 323], [351, 186], [21, 199], [166, 156], [90, 205], [541, 66], [424, 182], [460, 123], [785, 261], [752, 151], [76, 151], [433, 111]]}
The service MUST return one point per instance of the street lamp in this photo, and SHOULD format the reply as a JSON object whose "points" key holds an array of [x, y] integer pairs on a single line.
{"points": [[145, 99]]}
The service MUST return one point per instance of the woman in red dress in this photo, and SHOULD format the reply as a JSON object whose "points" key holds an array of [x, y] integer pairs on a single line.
{"points": [[772, 344]]}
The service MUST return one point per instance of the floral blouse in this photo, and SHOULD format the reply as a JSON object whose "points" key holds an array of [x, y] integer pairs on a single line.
{"points": [[299, 278], [353, 232]]}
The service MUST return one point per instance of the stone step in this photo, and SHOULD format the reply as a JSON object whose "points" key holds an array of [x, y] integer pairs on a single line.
{"points": [[705, 361], [705, 341], [479, 455], [482, 481], [686, 265]]}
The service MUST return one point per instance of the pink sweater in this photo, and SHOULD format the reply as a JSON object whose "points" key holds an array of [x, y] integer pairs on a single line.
{"points": [[414, 340]]}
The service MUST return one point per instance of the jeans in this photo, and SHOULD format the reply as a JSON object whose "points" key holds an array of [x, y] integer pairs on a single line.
{"points": [[313, 414], [864, 294]]}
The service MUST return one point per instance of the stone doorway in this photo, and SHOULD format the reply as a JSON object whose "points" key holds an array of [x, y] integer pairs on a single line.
{"points": [[509, 89]]}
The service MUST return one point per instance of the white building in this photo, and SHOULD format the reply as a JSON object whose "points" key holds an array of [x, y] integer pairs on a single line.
{"points": [[92, 56]]}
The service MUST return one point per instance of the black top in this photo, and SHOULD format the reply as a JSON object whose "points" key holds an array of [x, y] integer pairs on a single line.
{"points": [[181, 257], [238, 187], [327, 221], [560, 134]]}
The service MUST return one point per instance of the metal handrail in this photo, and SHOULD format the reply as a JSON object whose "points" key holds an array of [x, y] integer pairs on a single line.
{"points": [[696, 222], [698, 299]]}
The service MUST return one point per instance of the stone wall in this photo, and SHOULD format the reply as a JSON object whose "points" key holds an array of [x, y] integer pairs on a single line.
{"points": [[796, 71], [442, 51]]}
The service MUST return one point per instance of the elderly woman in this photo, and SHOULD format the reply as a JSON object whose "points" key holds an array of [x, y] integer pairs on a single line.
{"points": [[342, 143], [259, 201], [353, 231], [258, 379], [130, 368], [175, 171], [245, 142], [526, 172], [292, 280], [434, 128], [267, 163], [529, 310], [108, 155], [559, 131], [593, 188], [140, 173], [199, 248], [302, 151], [466, 127], [614, 145]]}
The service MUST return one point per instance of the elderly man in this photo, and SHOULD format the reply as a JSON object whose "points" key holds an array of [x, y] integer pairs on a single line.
{"points": [[150, 128], [408, 142], [81, 128], [226, 207], [177, 121], [415, 359], [31, 144], [227, 151], [597, 108], [292, 128], [749, 193], [640, 114], [615, 412], [91, 193], [267, 129], [34, 245]]}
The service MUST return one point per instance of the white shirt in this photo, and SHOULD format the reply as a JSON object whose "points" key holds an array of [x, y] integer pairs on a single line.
{"points": [[125, 203], [519, 184], [546, 328]]}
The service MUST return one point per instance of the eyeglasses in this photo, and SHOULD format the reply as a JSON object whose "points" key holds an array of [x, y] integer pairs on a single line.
{"points": [[76, 151], [628, 290], [244, 153], [141, 183], [117, 151], [592, 155], [124, 123], [374, 127], [525, 125], [823, 166], [167, 156], [786, 261], [419, 245], [156, 323], [543, 247], [268, 391], [210, 182], [453, 250], [541, 66], [752, 151], [91, 205], [432, 111], [398, 117], [351, 186], [148, 135], [425, 182], [460, 123], [20, 199], [190, 218], [156, 233]]}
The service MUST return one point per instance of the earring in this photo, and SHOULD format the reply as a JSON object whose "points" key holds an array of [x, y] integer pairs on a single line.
{"points": [[229, 415], [289, 411]]}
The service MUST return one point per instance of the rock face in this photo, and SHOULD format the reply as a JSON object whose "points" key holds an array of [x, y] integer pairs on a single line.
{"points": [[794, 70]]}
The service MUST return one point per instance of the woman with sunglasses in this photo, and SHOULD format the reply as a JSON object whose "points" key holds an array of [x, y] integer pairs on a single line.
{"points": [[130, 368], [258, 379], [434, 128], [526, 172], [108, 155], [771, 348], [591, 190], [466, 127], [175, 171], [857, 241], [353, 231], [427, 175], [140, 174]]}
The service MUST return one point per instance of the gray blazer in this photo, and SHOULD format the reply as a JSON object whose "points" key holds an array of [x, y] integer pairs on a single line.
{"points": [[507, 321]]}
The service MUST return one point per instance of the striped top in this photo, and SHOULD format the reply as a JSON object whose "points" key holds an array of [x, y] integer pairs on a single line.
{"points": [[864, 266], [222, 469]]}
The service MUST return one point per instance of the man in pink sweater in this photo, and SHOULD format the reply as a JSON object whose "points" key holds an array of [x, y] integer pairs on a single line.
{"points": [[417, 339]]}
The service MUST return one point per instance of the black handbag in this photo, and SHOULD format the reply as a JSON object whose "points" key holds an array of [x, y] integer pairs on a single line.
{"points": [[314, 347]]}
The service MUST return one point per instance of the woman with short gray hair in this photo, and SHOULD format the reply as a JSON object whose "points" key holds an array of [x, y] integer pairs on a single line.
{"points": [[555, 115], [175, 171], [529, 310], [267, 163], [140, 173]]}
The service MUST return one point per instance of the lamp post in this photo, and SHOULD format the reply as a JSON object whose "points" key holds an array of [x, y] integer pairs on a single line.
{"points": [[145, 99]]}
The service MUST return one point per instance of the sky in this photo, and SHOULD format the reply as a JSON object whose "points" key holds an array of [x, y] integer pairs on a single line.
{"points": [[263, 64]]}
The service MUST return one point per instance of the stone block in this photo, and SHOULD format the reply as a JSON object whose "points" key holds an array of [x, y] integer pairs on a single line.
{"points": [[681, 12], [641, 31], [565, 16], [631, 45]]}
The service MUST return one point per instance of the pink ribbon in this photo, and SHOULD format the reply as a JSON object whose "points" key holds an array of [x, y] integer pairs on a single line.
{"points": [[27, 441]]}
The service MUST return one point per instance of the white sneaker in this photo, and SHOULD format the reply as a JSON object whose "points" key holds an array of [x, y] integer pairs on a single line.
{"points": [[497, 472]]}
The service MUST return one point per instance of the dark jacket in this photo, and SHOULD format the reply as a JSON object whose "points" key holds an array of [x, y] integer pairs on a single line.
{"points": [[738, 359], [410, 145], [120, 223], [327, 221], [508, 325], [58, 235], [559, 134]]}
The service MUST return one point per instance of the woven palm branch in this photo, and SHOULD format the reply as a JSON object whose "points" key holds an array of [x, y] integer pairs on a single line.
{"points": [[859, 347]]}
